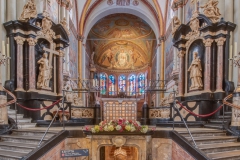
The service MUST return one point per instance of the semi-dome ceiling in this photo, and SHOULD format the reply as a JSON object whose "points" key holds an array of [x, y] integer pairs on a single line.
{"points": [[122, 42]]}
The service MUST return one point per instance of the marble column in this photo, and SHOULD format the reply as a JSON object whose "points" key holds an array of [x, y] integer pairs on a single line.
{"points": [[207, 73], [20, 42], [11, 10], [60, 72], [181, 79], [32, 73], [220, 42]]}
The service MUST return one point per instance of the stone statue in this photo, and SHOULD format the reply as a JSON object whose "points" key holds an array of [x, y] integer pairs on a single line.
{"points": [[123, 2], [175, 24], [120, 154], [44, 73], [211, 10], [195, 70], [29, 11], [65, 25]]}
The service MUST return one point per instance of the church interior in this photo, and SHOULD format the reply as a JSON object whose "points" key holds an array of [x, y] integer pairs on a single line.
{"points": [[119, 79]]}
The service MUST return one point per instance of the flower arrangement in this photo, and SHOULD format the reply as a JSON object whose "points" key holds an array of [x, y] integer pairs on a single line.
{"points": [[120, 125]]}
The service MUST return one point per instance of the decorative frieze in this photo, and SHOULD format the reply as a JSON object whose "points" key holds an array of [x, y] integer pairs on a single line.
{"points": [[159, 113], [82, 113]]}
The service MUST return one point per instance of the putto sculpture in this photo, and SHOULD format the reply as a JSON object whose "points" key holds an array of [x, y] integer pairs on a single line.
{"points": [[195, 70], [29, 11]]}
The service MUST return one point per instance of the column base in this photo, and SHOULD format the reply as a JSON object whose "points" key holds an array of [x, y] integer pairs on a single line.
{"points": [[20, 89]]}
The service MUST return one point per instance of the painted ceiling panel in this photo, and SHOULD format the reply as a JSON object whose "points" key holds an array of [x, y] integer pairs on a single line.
{"points": [[122, 42]]}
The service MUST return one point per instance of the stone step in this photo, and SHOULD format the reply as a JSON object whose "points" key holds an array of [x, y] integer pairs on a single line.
{"points": [[22, 139], [226, 117], [228, 155], [218, 121], [19, 147], [13, 116], [213, 125], [228, 113], [11, 111], [24, 120], [221, 147], [11, 155], [28, 132], [212, 139], [204, 133], [26, 125]]}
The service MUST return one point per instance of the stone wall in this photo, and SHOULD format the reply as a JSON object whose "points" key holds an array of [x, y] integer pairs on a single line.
{"points": [[148, 148]]}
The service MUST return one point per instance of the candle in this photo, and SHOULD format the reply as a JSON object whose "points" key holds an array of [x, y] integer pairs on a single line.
{"points": [[235, 49], [8, 50], [93, 82], [3, 48], [230, 53]]}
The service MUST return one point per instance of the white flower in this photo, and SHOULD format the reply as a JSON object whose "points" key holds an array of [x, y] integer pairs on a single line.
{"points": [[132, 129], [105, 128], [118, 127], [138, 123], [93, 130]]}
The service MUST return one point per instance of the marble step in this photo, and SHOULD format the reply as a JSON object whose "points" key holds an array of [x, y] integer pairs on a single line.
{"points": [[11, 155], [11, 111], [26, 125], [212, 139], [19, 147], [13, 116], [218, 121], [225, 117], [22, 139], [203, 133], [24, 120], [213, 125], [28, 132], [221, 147], [228, 155]]}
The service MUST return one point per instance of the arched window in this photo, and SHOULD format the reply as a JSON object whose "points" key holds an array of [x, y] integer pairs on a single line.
{"points": [[122, 83], [141, 83], [111, 85], [132, 85], [103, 83]]}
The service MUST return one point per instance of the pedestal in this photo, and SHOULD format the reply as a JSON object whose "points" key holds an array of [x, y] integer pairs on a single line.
{"points": [[97, 114], [3, 110], [145, 114]]}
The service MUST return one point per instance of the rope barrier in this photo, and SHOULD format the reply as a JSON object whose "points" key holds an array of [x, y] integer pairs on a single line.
{"points": [[10, 102], [30, 109], [230, 104], [199, 115]]}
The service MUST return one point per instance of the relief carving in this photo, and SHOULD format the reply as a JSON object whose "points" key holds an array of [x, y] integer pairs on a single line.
{"points": [[175, 24], [159, 113], [118, 141], [46, 27], [211, 10], [194, 25], [123, 2], [45, 73], [195, 70], [29, 11], [82, 113]]}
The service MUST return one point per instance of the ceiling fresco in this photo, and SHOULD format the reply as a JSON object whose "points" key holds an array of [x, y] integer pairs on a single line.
{"points": [[122, 42]]}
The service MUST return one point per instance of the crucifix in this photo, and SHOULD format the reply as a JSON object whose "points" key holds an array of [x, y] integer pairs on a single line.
{"points": [[51, 54], [195, 4]]}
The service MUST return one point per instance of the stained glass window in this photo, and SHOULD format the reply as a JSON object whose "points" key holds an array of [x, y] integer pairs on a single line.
{"points": [[141, 84], [122, 83], [103, 83], [132, 85], [111, 85]]}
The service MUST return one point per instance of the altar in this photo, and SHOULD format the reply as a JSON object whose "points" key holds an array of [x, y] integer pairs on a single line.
{"points": [[116, 108]]}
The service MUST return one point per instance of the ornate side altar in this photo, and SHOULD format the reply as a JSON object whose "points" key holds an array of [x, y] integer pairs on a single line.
{"points": [[203, 50], [36, 66]]}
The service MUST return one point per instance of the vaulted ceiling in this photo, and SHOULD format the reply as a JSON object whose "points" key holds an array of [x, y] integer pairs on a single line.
{"points": [[122, 42]]}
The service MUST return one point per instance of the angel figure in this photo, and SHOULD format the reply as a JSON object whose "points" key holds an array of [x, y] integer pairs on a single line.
{"points": [[211, 10], [29, 11]]}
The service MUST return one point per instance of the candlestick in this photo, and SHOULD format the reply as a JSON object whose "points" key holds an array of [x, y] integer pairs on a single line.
{"points": [[3, 48], [235, 49]]}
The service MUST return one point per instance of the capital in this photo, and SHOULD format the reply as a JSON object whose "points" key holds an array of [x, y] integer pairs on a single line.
{"points": [[220, 41], [181, 53], [208, 42], [61, 53], [31, 41], [19, 40]]}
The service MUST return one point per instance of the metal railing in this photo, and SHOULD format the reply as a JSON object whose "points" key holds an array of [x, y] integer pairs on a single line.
{"points": [[176, 108]]}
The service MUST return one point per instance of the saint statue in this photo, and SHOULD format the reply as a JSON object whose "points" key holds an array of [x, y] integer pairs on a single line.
{"points": [[211, 10], [123, 2], [29, 11], [44, 73], [175, 24], [195, 70]]}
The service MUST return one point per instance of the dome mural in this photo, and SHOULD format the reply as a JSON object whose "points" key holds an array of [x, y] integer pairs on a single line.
{"points": [[122, 42]]}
